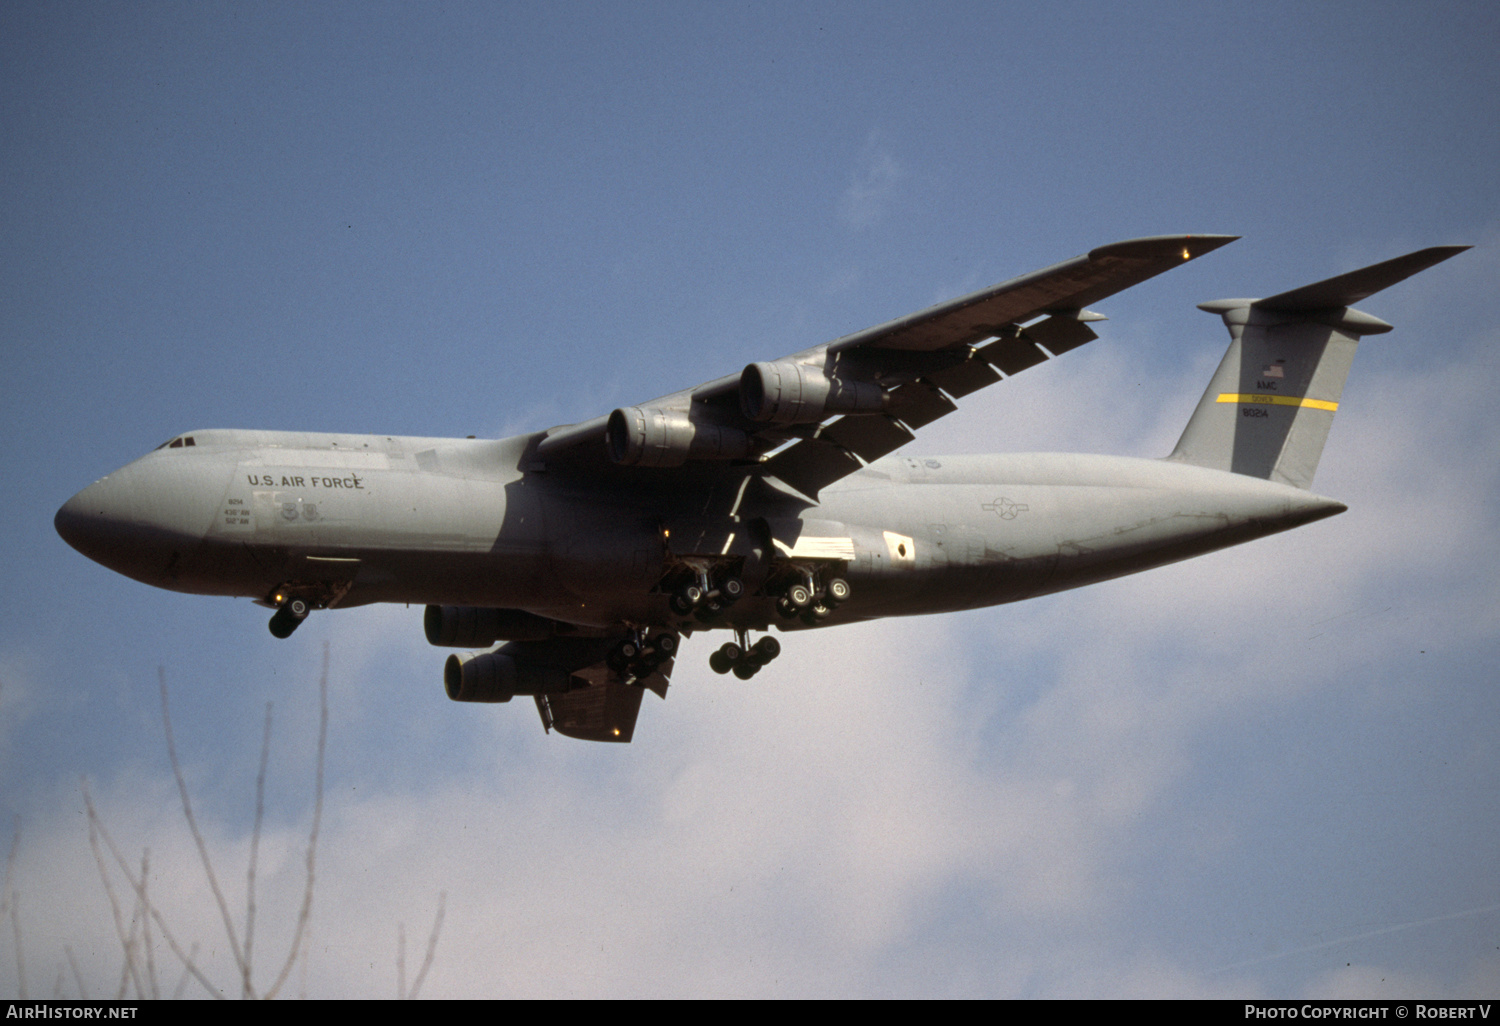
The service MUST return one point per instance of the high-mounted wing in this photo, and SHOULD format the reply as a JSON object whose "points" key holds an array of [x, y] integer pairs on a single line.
{"points": [[860, 397]]}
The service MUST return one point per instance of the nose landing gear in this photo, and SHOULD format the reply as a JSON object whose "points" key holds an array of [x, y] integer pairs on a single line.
{"points": [[289, 616]]}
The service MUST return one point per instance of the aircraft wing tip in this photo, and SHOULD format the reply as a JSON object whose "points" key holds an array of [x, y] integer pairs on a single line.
{"points": [[1185, 247]]}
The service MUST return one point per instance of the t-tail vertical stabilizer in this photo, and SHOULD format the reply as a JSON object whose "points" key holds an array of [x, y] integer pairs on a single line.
{"points": [[1268, 409]]}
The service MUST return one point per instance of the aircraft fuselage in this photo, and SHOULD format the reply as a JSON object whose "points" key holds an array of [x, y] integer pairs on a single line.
{"points": [[350, 519]]}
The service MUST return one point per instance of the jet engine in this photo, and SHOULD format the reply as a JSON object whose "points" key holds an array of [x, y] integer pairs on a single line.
{"points": [[655, 436], [523, 668], [793, 393], [499, 677]]}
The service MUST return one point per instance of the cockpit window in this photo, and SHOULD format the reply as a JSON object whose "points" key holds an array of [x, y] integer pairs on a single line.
{"points": [[178, 442]]}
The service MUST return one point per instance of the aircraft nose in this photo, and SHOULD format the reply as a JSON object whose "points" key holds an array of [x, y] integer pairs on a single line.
{"points": [[143, 521]]}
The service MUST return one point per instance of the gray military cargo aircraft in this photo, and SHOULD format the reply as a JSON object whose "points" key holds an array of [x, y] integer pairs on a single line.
{"points": [[771, 496]]}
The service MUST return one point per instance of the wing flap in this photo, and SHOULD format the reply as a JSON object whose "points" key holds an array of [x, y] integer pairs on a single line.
{"points": [[591, 700], [967, 377], [1013, 355], [603, 712], [919, 403], [869, 438]]}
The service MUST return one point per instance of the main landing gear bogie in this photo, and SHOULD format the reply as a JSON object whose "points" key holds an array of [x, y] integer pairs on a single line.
{"points": [[640, 655], [705, 600], [743, 659], [811, 604]]}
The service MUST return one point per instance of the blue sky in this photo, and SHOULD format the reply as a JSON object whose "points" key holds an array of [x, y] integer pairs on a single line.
{"points": [[1268, 772]]}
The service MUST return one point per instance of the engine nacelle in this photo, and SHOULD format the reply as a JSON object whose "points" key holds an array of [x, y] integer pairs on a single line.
{"points": [[793, 393], [654, 436], [500, 676], [478, 627]]}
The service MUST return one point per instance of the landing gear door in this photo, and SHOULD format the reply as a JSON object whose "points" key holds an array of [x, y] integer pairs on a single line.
{"points": [[795, 539]]}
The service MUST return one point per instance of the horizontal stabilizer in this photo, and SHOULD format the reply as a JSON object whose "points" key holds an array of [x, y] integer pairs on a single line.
{"points": [[1267, 410], [1356, 286]]}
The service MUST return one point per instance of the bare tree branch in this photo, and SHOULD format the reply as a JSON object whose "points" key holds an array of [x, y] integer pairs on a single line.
{"points": [[139, 970], [182, 982], [312, 837], [432, 939], [10, 903], [400, 961], [260, 809], [187, 812], [83, 992], [145, 914], [96, 828]]}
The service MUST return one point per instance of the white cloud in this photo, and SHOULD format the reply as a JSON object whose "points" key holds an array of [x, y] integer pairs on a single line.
{"points": [[975, 804], [872, 187]]}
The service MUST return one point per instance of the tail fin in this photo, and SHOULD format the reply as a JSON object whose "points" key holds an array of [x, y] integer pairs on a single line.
{"points": [[1269, 406]]}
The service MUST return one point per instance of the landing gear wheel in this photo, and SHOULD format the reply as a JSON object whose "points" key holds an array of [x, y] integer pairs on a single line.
{"points": [[623, 656], [745, 669], [785, 609], [765, 650], [815, 614], [837, 591], [288, 618], [725, 657], [731, 590], [798, 595]]}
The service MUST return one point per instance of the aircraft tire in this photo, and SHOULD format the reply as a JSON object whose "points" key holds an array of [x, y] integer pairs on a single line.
{"points": [[624, 657], [284, 622], [815, 614]]}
